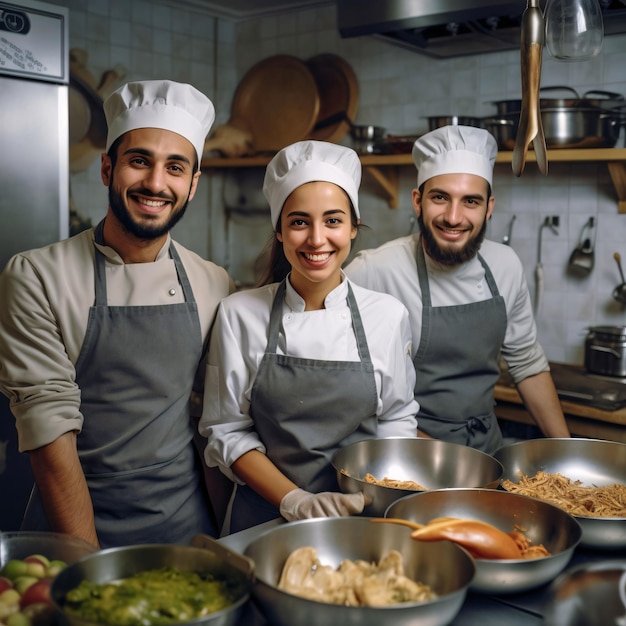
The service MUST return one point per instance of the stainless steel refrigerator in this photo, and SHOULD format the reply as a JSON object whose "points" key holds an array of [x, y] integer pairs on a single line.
{"points": [[34, 174]]}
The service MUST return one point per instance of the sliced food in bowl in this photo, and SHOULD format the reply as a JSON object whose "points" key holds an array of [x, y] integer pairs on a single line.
{"points": [[354, 582]]}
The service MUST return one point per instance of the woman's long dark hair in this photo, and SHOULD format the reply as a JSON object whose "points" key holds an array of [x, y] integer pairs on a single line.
{"points": [[278, 266]]}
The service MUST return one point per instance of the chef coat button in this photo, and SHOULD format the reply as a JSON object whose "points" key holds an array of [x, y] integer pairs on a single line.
{"points": [[172, 292], [344, 316], [288, 317]]}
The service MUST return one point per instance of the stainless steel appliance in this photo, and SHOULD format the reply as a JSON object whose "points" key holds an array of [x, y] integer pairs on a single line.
{"points": [[449, 28], [34, 174], [575, 384], [605, 351]]}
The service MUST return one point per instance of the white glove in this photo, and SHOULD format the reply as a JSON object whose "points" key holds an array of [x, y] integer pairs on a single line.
{"points": [[299, 504]]}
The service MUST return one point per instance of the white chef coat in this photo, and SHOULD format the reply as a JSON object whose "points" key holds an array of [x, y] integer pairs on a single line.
{"points": [[391, 268], [239, 340], [46, 295]]}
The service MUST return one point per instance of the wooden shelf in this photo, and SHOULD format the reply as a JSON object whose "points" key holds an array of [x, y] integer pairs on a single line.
{"points": [[384, 167]]}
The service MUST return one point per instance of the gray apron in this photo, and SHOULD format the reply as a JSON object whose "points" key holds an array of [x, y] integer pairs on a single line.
{"points": [[457, 368], [135, 371], [303, 411]]}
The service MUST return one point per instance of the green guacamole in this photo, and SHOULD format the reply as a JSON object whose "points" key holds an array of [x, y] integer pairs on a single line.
{"points": [[151, 598]]}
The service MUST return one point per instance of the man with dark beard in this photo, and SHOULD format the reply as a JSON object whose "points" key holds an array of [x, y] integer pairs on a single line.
{"points": [[103, 336], [467, 297]]}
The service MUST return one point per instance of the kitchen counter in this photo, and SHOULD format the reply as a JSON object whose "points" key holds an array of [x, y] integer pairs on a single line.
{"points": [[522, 609], [583, 419]]}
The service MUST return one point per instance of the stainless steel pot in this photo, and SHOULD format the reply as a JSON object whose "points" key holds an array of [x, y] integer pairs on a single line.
{"points": [[606, 100], [439, 121], [503, 128], [367, 139], [564, 127], [605, 350]]}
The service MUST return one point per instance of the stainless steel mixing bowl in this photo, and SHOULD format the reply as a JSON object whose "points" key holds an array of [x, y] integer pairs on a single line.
{"points": [[541, 522], [444, 566], [205, 556], [54, 546], [432, 463], [588, 595], [592, 461]]}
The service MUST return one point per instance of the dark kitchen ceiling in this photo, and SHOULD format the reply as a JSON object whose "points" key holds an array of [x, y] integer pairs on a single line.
{"points": [[245, 9]]}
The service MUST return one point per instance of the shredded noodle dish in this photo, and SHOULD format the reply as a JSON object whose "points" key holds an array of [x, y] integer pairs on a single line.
{"points": [[571, 495]]}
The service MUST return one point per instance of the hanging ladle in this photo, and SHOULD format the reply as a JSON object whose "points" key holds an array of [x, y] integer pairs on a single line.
{"points": [[582, 258], [619, 293]]}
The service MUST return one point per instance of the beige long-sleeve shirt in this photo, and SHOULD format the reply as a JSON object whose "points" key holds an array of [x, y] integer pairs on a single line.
{"points": [[391, 268], [46, 295]]}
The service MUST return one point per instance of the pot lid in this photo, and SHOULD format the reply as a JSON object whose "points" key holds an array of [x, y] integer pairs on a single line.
{"points": [[602, 99], [613, 331]]}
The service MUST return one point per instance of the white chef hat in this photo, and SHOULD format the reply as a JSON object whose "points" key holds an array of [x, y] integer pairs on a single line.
{"points": [[306, 162], [164, 104], [455, 150]]}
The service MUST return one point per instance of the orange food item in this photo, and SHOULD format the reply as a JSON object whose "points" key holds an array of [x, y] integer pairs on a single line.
{"points": [[480, 539]]}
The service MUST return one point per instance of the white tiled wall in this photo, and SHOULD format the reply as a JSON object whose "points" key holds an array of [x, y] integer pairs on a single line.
{"points": [[398, 90]]}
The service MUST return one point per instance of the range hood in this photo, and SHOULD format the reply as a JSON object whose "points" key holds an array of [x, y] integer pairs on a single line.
{"points": [[449, 28]]}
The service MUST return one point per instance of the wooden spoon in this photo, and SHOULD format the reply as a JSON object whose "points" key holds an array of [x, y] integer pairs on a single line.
{"points": [[530, 128]]}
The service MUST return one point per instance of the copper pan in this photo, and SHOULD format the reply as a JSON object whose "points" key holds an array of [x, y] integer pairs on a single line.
{"points": [[338, 90], [277, 102]]}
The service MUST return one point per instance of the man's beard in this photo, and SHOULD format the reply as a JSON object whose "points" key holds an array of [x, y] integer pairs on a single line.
{"points": [[147, 229], [449, 256]]}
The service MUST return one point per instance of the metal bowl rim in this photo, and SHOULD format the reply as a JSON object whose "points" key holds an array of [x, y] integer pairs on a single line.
{"points": [[603, 442], [410, 491]]}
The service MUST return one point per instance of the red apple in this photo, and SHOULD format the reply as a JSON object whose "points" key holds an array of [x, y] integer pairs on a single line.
{"points": [[5, 583], [38, 592], [35, 568], [37, 558]]}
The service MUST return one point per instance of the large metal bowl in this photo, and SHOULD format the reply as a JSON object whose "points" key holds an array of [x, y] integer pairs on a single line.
{"points": [[444, 566], [205, 556], [432, 463], [54, 546], [588, 595], [592, 461], [541, 522]]}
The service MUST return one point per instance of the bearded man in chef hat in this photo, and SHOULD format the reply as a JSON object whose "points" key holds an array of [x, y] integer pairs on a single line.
{"points": [[161, 105], [467, 296], [308, 362], [122, 316]]}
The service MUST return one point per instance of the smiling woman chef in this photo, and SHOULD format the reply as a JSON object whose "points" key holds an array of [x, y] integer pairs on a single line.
{"points": [[101, 336], [309, 362]]}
